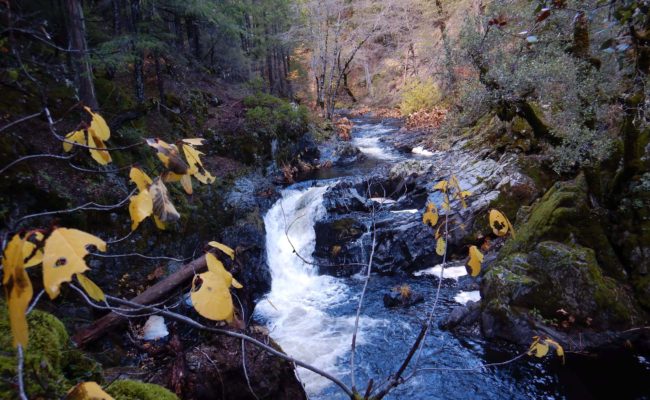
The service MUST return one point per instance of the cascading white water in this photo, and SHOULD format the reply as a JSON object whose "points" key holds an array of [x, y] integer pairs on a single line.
{"points": [[295, 307]]}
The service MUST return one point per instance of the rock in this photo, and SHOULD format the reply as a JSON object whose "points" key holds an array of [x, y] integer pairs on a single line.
{"points": [[396, 299], [463, 317], [551, 277], [134, 390], [565, 214], [346, 153], [52, 366], [247, 237], [215, 370]]}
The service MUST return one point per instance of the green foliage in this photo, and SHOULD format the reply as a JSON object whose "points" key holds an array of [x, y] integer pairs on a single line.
{"points": [[273, 117], [569, 93], [419, 95]]}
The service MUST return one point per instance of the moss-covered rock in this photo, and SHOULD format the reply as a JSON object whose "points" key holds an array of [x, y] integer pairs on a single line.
{"points": [[554, 276], [135, 390], [52, 365], [564, 214]]}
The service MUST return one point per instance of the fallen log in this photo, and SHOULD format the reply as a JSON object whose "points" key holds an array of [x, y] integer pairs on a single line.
{"points": [[152, 295]]}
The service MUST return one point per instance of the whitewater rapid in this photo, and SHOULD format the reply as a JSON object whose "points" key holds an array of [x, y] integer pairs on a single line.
{"points": [[295, 308]]}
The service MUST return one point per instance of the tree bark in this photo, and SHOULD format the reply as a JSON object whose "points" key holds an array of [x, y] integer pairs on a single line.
{"points": [[138, 71], [80, 60], [159, 79]]}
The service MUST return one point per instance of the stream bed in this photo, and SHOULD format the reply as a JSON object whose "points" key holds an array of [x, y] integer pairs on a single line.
{"points": [[312, 316]]}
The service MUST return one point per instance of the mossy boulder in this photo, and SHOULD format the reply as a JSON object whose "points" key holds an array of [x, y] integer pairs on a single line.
{"points": [[565, 214], [52, 365], [554, 276], [136, 390]]}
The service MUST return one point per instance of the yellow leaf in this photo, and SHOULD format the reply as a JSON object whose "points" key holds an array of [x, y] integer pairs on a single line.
{"points": [[88, 391], [437, 234], [499, 223], [159, 223], [77, 137], [430, 216], [558, 348], [172, 177], [229, 252], [211, 297], [475, 260], [162, 206], [65, 250], [194, 141], [141, 180], [168, 155], [102, 157], [91, 288], [236, 284], [538, 348], [442, 186], [216, 266], [140, 207], [453, 182], [186, 182], [196, 166], [31, 255], [462, 195], [441, 247], [18, 288], [98, 126]]}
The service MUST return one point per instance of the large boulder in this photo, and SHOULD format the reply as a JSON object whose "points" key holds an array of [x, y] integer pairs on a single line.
{"points": [[216, 370], [552, 277], [560, 272]]}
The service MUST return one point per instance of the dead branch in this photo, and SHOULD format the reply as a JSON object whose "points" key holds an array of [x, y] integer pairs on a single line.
{"points": [[156, 292]]}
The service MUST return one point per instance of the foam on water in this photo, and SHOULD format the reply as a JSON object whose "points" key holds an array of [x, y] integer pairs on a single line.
{"points": [[295, 309]]}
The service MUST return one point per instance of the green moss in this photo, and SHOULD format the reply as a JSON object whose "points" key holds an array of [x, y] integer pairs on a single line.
{"points": [[52, 365], [563, 214], [555, 276], [135, 390]]}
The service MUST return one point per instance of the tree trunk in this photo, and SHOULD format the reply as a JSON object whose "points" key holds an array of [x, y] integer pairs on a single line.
{"points": [[117, 17], [178, 33], [138, 71], [81, 62], [159, 79]]}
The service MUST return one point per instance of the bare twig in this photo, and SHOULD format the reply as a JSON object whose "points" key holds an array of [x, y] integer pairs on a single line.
{"points": [[32, 156], [353, 346], [243, 363], [87, 206], [18, 121], [19, 372], [34, 302], [139, 255]]}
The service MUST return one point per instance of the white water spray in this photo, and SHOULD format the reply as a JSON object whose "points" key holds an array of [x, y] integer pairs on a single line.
{"points": [[295, 307]]}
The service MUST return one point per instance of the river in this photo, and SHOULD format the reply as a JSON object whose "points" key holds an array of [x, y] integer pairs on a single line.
{"points": [[312, 316]]}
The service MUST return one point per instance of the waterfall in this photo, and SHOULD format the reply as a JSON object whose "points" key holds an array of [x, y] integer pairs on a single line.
{"points": [[295, 309]]}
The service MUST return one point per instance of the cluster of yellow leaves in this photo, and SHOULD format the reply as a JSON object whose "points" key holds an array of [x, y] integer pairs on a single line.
{"points": [[179, 169], [94, 137], [152, 199], [211, 290], [88, 391], [541, 345], [500, 224], [451, 190], [62, 255]]}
